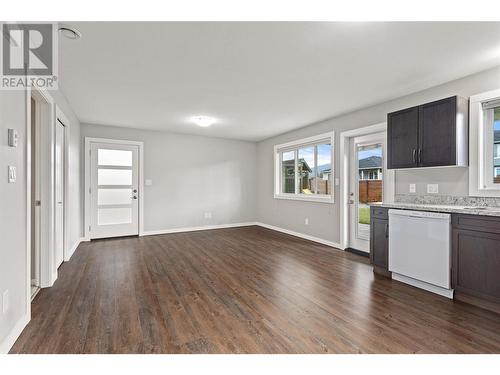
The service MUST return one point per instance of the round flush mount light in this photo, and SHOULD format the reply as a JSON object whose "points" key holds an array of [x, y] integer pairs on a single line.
{"points": [[203, 121], [69, 32]]}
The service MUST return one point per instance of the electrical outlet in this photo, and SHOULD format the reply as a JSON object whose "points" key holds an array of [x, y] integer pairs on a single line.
{"points": [[432, 188], [5, 301], [413, 188], [148, 182], [306, 221], [208, 215]]}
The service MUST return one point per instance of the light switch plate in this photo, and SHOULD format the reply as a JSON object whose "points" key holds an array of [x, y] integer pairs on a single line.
{"points": [[13, 137], [413, 188], [148, 182], [432, 188], [12, 174]]}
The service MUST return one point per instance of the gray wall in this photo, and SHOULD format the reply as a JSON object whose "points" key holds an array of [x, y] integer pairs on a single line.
{"points": [[13, 203], [12, 211], [191, 175], [324, 218]]}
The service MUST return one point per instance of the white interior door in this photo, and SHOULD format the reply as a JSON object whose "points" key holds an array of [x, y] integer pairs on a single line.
{"points": [[366, 167], [59, 195], [114, 190]]}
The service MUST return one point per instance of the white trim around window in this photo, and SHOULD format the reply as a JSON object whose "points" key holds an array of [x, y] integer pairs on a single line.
{"points": [[481, 147], [325, 138]]}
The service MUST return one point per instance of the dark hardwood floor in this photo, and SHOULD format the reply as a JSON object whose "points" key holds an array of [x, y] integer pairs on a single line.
{"points": [[242, 290]]}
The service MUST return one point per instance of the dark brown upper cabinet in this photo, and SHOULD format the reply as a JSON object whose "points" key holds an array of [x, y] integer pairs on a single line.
{"points": [[402, 138], [429, 135]]}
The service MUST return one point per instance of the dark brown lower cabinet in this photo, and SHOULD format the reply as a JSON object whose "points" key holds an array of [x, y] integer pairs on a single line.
{"points": [[379, 240], [476, 260], [475, 265]]}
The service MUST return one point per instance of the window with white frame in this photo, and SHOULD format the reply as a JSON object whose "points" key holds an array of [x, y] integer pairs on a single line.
{"points": [[304, 169], [484, 174]]}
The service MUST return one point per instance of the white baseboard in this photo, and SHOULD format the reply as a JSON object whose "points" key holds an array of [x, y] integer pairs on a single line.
{"points": [[193, 229], [11, 338], [73, 249], [301, 235], [235, 225]]}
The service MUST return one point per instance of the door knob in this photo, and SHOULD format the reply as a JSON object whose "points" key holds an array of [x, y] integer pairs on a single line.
{"points": [[134, 191], [351, 201], [134, 197]]}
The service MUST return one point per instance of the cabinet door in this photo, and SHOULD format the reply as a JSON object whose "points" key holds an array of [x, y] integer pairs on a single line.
{"points": [[402, 138], [437, 132], [476, 264], [379, 243]]}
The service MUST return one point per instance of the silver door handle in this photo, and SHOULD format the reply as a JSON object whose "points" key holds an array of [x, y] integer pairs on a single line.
{"points": [[59, 202], [414, 155]]}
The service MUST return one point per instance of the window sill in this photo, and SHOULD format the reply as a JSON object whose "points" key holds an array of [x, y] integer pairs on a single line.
{"points": [[317, 199]]}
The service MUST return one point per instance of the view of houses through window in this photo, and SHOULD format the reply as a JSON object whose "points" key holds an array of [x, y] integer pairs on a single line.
{"points": [[307, 170]]}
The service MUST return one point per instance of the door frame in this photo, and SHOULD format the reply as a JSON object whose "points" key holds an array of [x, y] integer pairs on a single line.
{"points": [[356, 243], [140, 166], [389, 176], [60, 116], [45, 113]]}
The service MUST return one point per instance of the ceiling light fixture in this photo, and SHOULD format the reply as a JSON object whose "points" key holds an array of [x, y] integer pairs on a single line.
{"points": [[69, 32], [203, 121]]}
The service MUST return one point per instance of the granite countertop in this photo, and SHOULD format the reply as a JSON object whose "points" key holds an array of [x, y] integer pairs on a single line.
{"points": [[471, 210]]}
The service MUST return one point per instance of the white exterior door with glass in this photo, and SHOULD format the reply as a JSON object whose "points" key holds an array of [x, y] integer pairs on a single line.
{"points": [[366, 167], [114, 194]]}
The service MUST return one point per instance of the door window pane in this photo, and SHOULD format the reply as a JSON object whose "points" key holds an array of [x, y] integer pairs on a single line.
{"points": [[324, 169], [307, 170], [111, 216], [370, 164], [114, 157], [288, 172], [114, 177], [114, 196]]}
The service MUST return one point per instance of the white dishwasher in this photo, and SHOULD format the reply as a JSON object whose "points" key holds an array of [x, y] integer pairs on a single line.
{"points": [[420, 249]]}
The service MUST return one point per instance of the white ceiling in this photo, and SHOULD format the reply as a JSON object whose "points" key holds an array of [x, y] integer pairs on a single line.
{"points": [[259, 79]]}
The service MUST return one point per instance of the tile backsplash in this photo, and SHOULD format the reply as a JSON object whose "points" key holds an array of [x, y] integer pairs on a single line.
{"points": [[447, 200]]}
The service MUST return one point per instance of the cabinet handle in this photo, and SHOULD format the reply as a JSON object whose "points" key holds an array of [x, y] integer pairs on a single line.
{"points": [[414, 156], [419, 155], [386, 230]]}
